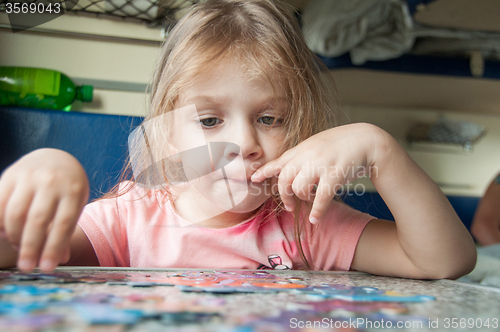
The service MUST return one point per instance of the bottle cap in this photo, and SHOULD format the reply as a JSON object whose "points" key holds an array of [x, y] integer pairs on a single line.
{"points": [[84, 92]]}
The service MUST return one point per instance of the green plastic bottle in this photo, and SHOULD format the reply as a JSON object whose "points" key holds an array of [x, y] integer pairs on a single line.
{"points": [[40, 88]]}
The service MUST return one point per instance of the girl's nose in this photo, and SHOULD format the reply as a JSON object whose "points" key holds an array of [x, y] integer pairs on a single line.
{"points": [[245, 137]]}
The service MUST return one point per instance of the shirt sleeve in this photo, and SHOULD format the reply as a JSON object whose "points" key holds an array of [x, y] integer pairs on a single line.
{"points": [[332, 242], [106, 231]]}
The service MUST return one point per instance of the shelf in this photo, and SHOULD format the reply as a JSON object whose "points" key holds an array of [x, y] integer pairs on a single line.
{"points": [[418, 64]]}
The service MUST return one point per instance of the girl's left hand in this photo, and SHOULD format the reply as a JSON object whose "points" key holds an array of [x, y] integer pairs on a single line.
{"points": [[318, 167]]}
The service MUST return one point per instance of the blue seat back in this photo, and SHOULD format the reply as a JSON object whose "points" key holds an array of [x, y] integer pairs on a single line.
{"points": [[98, 141]]}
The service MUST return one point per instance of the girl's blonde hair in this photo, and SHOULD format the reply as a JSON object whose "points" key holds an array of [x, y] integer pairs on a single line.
{"points": [[264, 38]]}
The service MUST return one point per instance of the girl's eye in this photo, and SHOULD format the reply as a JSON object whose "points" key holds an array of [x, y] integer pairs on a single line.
{"points": [[270, 121], [209, 122]]}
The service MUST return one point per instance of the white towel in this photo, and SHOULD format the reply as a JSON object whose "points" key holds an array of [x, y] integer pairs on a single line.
{"points": [[487, 270], [367, 29]]}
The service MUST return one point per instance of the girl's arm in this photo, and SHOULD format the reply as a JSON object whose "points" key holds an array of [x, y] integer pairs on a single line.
{"points": [[81, 251], [486, 223], [41, 198], [428, 240]]}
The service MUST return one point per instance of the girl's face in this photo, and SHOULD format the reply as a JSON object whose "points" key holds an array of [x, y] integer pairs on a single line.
{"points": [[241, 120]]}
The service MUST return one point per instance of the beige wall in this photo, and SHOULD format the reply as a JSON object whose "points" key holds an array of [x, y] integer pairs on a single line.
{"points": [[398, 90], [84, 58], [456, 171], [392, 101]]}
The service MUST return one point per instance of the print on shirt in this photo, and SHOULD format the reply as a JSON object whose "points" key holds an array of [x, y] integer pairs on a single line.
{"points": [[276, 263]]}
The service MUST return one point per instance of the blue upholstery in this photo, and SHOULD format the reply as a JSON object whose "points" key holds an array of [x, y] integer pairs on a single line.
{"points": [[373, 204], [99, 142], [418, 64]]}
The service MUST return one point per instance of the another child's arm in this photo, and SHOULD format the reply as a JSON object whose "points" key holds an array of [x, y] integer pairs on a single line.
{"points": [[428, 240], [486, 223], [41, 198]]}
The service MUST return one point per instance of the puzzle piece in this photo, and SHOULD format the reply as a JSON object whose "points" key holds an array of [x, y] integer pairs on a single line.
{"points": [[20, 308], [31, 290], [351, 306], [106, 314], [147, 281], [316, 321], [36, 322], [188, 317], [5, 275], [153, 303], [37, 276], [227, 290], [342, 292], [58, 278], [391, 297], [96, 298]]}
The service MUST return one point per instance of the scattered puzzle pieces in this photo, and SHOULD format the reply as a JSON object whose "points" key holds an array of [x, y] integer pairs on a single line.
{"points": [[200, 298]]}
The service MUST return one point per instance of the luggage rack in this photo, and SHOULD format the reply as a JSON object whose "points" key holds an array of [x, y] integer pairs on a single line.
{"points": [[154, 13]]}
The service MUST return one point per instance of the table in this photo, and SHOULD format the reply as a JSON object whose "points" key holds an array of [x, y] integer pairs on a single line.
{"points": [[132, 299]]}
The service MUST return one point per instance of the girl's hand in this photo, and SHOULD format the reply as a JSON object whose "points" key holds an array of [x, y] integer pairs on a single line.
{"points": [[41, 197], [318, 167]]}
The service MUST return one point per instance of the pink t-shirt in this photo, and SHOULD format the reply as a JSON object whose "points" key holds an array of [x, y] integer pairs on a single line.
{"points": [[138, 230]]}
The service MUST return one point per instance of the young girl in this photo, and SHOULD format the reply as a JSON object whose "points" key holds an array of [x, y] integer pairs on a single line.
{"points": [[236, 166]]}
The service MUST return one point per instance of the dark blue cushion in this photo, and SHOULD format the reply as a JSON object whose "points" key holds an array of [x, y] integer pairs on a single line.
{"points": [[373, 204], [98, 141]]}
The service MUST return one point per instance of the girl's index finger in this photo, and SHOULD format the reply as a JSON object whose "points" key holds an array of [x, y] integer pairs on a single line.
{"points": [[323, 198], [272, 168]]}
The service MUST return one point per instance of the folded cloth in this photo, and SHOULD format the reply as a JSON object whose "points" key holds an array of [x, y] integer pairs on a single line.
{"points": [[487, 270], [367, 29], [453, 42]]}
